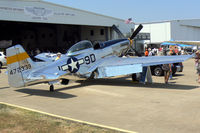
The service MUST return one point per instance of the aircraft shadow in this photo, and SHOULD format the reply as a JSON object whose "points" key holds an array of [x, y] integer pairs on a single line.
{"points": [[4, 67], [129, 83], [45, 93], [177, 75], [4, 87], [82, 84]]}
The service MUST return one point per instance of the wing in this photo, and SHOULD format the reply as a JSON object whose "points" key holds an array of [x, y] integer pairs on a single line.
{"points": [[115, 66]]}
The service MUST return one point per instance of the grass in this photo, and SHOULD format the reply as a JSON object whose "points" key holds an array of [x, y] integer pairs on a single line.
{"points": [[16, 120]]}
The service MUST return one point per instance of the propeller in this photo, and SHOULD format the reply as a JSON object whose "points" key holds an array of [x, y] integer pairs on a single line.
{"points": [[121, 35], [136, 32]]}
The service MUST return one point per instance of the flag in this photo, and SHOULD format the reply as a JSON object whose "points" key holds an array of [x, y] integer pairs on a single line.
{"points": [[128, 21]]}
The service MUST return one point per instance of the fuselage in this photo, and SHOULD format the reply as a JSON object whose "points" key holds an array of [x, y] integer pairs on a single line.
{"points": [[95, 53]]}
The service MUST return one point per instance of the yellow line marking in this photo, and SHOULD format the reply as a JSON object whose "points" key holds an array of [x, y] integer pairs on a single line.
{"points": [[17, 58], [67, 118]]}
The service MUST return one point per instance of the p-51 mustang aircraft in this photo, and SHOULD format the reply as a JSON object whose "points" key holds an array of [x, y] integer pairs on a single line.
{"points": [[82, 61]]}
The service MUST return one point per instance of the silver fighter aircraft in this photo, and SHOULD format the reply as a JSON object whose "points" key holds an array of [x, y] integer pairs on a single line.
{"points": [[82, 61]]}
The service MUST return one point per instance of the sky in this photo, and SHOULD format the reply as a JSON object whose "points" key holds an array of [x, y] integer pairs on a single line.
{"points": [[140, 11]]}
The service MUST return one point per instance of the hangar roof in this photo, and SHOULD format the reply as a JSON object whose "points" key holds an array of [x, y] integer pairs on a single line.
{"points": [[45, 12]]}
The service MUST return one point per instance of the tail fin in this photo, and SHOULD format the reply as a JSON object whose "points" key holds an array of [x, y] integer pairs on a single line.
{"points": [[18, 62]]}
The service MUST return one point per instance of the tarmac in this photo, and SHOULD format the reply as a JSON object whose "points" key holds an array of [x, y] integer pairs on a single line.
{"points": [[117, 102]]}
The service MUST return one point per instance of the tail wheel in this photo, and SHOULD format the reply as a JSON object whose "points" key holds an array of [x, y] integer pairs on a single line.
{"points": [[51, 88]]}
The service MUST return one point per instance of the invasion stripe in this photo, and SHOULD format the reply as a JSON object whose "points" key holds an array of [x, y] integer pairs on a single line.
{"points": [[17, 58]]}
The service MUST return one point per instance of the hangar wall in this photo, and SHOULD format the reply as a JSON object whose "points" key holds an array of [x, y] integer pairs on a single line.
{"points": [[188, 30], [37, 23], [44, 12], [94, 33], [185, 30], [158, 31], [43, 36]]}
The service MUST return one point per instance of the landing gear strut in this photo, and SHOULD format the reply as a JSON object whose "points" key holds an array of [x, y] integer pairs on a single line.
{"points": [[51, 88]]}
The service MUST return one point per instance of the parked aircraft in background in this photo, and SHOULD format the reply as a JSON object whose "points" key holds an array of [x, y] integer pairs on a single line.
{"points": [[82, 61]]}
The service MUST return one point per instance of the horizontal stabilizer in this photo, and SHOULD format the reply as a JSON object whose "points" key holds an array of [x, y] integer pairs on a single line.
{"points": [[47, 57]]}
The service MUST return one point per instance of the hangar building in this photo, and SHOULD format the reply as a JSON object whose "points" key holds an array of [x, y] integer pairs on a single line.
{"points": [[44, 25], [188, 30]]}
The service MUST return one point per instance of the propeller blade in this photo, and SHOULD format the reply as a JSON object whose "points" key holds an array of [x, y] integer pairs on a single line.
{"points": [[121, 35], [136, 32]]}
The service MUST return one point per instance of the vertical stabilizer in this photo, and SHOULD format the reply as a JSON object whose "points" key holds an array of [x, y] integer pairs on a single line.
{"points": [[18, 62]]}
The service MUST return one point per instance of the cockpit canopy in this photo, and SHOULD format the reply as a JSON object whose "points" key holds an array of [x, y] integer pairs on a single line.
{"points": [[85, 46], [80, 46]]}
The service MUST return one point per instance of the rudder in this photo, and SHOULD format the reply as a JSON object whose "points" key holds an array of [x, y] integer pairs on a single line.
{"points": [[18, 62]]}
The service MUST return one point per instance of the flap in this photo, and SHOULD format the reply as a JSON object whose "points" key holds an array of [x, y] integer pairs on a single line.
{"points": [[110, 71]]}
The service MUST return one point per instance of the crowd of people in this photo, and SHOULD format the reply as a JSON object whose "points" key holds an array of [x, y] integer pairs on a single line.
{"points": [[167, 68], [173, 50]]}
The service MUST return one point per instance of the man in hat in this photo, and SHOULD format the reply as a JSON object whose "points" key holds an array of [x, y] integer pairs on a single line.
{"points": [[58, 56]]}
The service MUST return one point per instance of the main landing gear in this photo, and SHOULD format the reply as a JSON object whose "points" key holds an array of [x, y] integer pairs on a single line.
{"points": [[63, 82], [135, 78], [51, 88]]}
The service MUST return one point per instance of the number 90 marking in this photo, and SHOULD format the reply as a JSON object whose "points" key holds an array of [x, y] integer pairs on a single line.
{"points": [[90, 59]]}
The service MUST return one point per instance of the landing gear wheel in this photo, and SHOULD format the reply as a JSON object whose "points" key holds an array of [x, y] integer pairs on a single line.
{"points": [[134, 78], [51, 88], [158, 71]]}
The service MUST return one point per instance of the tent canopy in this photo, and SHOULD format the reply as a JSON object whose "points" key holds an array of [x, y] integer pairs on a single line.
{"points": [[181, 45]]}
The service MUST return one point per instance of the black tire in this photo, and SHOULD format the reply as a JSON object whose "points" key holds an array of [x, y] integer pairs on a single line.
{"points": [[1, 65], [158, 71], [134, 77], [51, 88], [64, 81], [174, 70]]}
